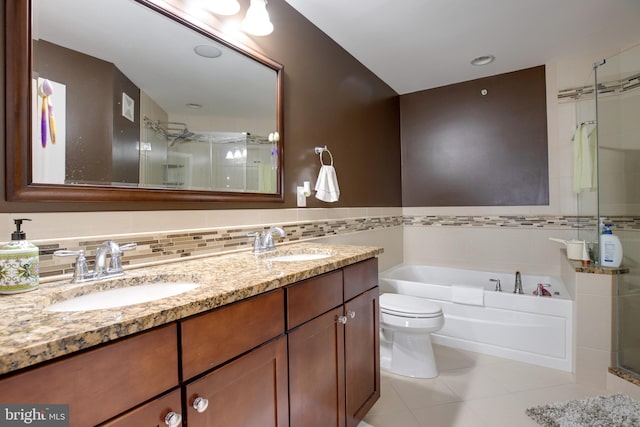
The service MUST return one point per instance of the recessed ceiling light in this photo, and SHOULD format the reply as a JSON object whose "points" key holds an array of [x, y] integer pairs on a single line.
{"points": [[194, 106], [207, 51], [483, 60]]}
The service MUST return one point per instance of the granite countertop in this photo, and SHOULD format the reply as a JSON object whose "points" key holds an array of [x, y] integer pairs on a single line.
{"points": [[593, 268], [29, 334]]}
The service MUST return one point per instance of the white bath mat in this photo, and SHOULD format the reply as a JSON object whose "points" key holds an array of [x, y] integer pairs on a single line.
{"points": [[618, 410]]}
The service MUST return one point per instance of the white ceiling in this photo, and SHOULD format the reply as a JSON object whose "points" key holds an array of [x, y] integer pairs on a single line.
{"points": [[420, 44], [157, 55]]}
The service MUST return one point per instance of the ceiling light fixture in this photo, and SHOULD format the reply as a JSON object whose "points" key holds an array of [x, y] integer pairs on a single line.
{"points": [[257, 21], [483, 60], [194, 106], [207, 51], [224, 7]]}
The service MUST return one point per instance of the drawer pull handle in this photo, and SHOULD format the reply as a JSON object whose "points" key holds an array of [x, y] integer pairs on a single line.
{"points": [[173, 419], [342, 319], [200, 404], [351, 314]]}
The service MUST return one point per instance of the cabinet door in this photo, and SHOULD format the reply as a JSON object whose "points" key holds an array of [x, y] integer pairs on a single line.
{"points": [[362, 355], [316, 372], [151, 414], [250, 391]]}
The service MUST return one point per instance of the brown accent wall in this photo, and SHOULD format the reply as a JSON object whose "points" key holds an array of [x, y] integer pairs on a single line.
{"points": [[94, 89], [463, 148], [125, 155], [89, 94], [330, 99]]}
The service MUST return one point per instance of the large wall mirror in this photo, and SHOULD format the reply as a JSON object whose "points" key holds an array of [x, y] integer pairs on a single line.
{"points": [[122, 100]]}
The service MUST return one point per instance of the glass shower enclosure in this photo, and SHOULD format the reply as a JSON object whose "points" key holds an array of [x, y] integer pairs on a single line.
{"points": [[618, 197]]}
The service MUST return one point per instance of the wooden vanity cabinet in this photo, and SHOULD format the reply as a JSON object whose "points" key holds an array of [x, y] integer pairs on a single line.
{"points": [[334, 355], [102, 383], [306, 355]]}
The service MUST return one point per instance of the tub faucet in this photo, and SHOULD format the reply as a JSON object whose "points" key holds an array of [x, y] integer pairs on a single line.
{"points": [[518, 286], [498, 286]]}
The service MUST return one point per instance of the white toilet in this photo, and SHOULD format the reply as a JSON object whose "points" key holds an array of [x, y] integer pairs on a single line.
{"points": [[406, 323]]}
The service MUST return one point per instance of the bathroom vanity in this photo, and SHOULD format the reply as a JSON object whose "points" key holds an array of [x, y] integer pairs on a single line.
{"points": [[278, 344]]}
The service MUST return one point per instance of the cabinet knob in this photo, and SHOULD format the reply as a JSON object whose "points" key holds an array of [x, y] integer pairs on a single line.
{"points": [[351, 314], [342, 319], [173, 419], [200, 404]]}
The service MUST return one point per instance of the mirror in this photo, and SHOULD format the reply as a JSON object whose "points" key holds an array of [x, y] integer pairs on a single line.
{"points": [[124, 100]]}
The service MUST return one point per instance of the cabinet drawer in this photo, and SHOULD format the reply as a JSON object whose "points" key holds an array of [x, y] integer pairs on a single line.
{"points": [[360, 277], [150, 414], [102, 383], [213, 338], [312, 297]]}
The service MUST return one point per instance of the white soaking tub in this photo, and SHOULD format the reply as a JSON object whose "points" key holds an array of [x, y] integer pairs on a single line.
{"points": [[521, 327]]}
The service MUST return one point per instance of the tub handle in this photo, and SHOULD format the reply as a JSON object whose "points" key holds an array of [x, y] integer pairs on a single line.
{"points": [[541, 291], [498, 286]]}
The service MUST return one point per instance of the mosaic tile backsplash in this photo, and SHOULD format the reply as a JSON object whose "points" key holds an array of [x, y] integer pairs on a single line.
{"points": [[174, 245]]}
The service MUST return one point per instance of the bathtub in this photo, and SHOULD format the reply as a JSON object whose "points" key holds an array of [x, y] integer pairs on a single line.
{"points": [[521, 327]]}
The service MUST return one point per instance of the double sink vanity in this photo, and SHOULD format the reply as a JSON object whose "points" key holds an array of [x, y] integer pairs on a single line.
{"points": [[284, 338]]}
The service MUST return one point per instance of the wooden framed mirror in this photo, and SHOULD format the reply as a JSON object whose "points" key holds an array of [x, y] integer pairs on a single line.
{"points": [[156, 107]]}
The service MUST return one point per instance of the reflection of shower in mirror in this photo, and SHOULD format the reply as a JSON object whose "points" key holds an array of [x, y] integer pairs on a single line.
{"points": [[193, 159]]}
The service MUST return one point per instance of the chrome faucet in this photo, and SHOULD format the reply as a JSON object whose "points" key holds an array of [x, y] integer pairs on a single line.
{"points": [[498, 286], [263, 241], [101, 257], [268, 243], [518, 287], [81, 272]]}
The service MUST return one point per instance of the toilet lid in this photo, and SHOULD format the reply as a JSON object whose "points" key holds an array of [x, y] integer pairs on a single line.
{"points": [[407, 304]]}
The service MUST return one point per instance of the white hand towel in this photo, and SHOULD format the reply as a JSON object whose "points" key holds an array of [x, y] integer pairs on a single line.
{"points": [[327, 188], [585, 160], [470, 295]]}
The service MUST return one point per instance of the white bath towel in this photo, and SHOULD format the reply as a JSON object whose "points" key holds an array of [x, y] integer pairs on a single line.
{"points": [[585, 160], [327, 188], [470, 295]]}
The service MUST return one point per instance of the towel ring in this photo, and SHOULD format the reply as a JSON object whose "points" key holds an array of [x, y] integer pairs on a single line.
{"points": [[320, 150]]}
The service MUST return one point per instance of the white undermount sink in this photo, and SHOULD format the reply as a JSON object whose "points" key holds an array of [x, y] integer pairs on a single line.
{"points": [[122, 297], [298, 257]]}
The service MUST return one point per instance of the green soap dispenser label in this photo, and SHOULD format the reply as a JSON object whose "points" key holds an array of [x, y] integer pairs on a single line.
{"points": [[19, 262]]}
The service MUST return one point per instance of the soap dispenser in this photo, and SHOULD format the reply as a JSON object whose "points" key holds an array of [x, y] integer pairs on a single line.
{"points": [[611, 248], [19, 260]]}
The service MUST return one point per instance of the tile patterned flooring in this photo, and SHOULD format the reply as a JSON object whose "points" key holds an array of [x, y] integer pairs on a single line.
{"points": [[472, 390]]}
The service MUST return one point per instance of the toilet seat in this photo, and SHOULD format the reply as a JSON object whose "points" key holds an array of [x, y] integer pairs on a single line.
{"points": [[409, 306]]}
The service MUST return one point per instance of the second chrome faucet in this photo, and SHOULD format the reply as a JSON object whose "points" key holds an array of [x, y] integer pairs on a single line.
{"points": [[263, 241]]}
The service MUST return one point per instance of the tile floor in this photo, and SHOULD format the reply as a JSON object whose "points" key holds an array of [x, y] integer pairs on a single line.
{"points": [[472, 390]]}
